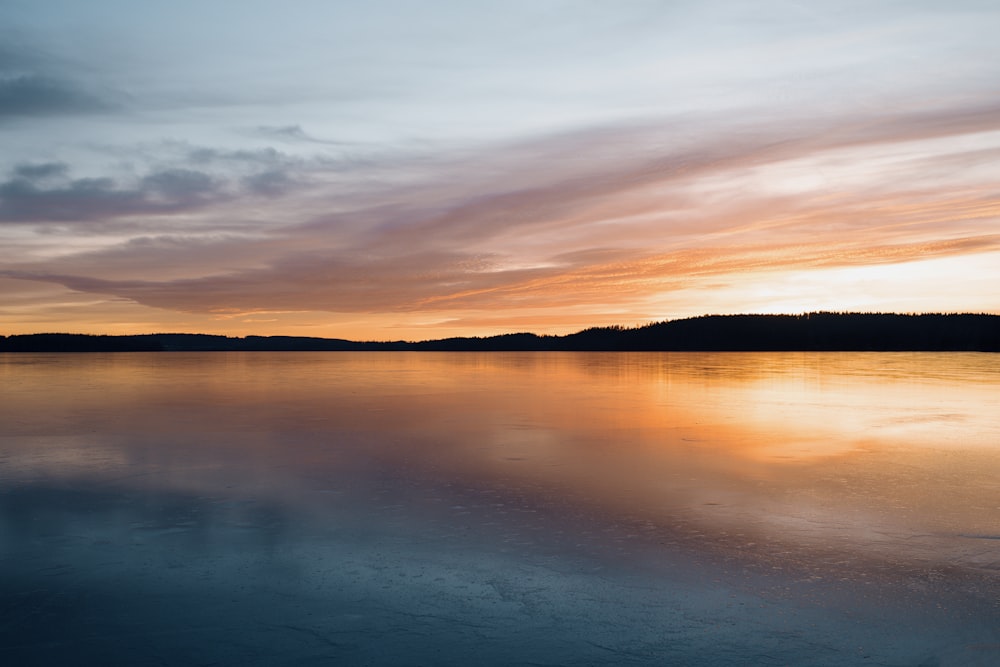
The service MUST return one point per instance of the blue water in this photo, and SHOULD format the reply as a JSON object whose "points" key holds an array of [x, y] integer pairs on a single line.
{"points": [[543, 509]]}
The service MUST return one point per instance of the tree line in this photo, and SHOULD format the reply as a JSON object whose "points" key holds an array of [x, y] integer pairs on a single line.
{"points": [[820, 331]]}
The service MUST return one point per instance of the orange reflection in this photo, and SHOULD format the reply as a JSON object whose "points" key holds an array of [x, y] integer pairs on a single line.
{"points": [[856, 450]]}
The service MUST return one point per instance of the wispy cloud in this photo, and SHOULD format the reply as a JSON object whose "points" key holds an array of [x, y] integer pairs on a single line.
{"points": [[296, 134], [41, 171], [347, 164], [605, 217], [29, 95], [30, 196], [34, 84]]}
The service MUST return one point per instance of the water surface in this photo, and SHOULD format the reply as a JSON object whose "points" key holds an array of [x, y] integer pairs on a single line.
{"points": [[500, 508]]}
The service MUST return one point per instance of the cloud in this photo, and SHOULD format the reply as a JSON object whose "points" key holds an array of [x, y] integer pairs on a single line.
{"points": [[261, 156], [567, 187], [427, 280], [180, 178], [35, 83], [31, 197], [269, 183], [286, 132], [41, 171], [180, 184], [83, 199], [302, 281], [602, 219], [27, 95], [263, 171], [295, 133]]}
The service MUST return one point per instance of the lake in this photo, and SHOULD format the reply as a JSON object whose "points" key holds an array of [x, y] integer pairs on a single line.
{"points": [[420, 508]]}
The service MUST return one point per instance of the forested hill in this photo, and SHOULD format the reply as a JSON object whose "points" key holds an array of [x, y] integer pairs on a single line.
{"points": [[810, 332]]}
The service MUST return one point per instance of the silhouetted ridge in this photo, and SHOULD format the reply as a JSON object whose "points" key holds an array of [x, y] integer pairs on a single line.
{"points": [[502, 343], [62, 342], [821, 331], [169, 342], [810, 332]]}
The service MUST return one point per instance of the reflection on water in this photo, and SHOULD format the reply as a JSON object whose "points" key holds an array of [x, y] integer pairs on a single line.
{"points": [[423, 508]]}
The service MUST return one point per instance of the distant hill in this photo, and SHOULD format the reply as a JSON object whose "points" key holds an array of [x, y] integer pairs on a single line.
{"points": [[810, 332]]}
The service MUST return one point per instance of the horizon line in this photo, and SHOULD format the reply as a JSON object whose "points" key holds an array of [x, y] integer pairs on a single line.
{"points": [[617, 327]]}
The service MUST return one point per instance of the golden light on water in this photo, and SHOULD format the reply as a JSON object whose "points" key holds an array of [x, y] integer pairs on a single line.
{"points": [[843, 483], [725, 436]]}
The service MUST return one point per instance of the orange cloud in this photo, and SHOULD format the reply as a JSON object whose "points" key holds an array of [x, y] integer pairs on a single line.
{"points": [[610, 222]]}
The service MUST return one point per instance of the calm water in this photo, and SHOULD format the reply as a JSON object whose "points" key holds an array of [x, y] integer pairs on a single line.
{"points": [[501, 508]]}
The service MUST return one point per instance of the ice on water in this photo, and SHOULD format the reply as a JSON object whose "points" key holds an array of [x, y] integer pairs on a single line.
{"points": [[453, 509]]}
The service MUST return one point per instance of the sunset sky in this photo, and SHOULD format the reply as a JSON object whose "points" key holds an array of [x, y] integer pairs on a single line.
{"points": [[413, 170]]}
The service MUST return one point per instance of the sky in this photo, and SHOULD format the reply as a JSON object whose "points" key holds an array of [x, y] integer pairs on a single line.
{"points": [[413, 170]]}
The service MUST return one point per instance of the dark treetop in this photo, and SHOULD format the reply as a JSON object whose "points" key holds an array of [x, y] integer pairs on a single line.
{"points": [[810, 332]]}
